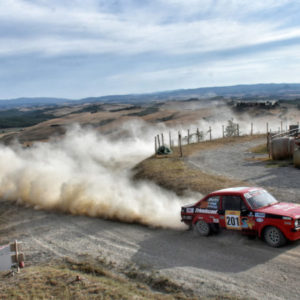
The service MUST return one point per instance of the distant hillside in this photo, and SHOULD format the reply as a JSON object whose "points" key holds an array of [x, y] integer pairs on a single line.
{"points": [[272, 91], [29, 102]]}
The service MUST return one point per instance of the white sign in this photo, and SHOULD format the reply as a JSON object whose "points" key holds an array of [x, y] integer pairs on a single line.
{"points": [[233, 219], [5, 258]]}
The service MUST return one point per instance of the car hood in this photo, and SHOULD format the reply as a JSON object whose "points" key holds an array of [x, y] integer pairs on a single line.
{"points": [[283, 209]]}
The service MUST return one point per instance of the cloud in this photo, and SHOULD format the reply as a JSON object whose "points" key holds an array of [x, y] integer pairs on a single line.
{"points": [[59, 28], [84, 46]]}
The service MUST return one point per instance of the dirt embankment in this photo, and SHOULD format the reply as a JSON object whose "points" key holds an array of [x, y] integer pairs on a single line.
{"points": [[177, 174]]}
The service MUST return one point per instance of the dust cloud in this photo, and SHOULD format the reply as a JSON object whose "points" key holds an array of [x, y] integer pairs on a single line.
{"points": [[86, 173]]}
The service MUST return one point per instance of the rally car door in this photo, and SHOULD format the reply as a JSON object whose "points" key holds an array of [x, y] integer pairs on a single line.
{"points": [[231, 212]]}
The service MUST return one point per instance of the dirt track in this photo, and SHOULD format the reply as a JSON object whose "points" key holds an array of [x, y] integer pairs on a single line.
{"points": [[222, 264]]}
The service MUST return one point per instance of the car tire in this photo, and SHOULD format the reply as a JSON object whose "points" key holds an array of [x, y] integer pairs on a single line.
{"points": [[274, 237], [202, 228]]}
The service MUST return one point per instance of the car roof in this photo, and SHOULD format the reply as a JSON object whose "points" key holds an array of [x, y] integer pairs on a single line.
{"points": [[236, 190]]}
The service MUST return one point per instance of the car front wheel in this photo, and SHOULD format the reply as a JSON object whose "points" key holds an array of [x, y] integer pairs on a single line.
{"points": [[202, 228], [274, 237]]}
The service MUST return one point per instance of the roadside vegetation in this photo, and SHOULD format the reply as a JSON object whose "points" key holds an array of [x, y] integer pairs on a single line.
{"points": [[69, 279], [260, 149]]}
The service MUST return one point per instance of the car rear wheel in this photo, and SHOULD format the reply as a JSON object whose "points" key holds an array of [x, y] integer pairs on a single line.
{"points": [[274, 237], [202, 228]]}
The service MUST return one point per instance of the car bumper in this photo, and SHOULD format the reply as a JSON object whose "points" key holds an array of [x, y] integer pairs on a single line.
{"points": [[187, 219], [294, 234]]}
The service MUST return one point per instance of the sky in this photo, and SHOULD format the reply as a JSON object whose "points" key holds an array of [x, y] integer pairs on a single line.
{"points": [[81, 48]]}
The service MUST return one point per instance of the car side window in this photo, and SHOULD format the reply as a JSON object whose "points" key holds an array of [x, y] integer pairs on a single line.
{"points": [[232, 203], [210, 203]]}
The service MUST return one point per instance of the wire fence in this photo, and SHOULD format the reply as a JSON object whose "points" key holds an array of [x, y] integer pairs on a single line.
{"points": [[232, 129]]}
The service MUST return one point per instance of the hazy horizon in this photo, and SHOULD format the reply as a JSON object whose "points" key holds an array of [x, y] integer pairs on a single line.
{"points": [[148, 93]]}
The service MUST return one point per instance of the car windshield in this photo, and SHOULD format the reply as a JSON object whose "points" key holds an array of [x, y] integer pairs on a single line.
{"points": [[259, 198]]}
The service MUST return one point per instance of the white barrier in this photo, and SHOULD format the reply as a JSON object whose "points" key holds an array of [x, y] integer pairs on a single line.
{"points": [[10, 256]]}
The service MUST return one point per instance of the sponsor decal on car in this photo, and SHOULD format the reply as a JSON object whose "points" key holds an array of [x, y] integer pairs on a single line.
{"points": [[190, 210], [213, 202], [187, 217], [259, 220], [247, 223], [286, 218], [259, 215], [205, 211]]}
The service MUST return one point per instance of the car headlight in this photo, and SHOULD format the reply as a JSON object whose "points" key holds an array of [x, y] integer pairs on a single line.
{"points": [[297, 223]]}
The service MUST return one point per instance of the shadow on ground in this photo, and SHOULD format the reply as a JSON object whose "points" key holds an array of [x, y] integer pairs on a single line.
{"points": [[228, 252]]}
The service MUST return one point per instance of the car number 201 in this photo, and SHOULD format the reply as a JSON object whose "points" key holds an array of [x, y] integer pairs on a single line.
{"points": [[233, 219]]}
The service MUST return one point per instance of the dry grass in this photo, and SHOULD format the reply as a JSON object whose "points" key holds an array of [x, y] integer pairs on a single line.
{"points": [[85, 280], [260, 149], [171, 171], [175, 175]]}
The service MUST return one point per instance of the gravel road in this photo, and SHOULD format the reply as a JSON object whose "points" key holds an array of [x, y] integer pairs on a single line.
{"points": [[236, 161], [226, 264]]}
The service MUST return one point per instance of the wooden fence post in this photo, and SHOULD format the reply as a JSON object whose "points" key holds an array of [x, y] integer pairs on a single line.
{"points": [[170, 139], [198, 135], [158, 140], [267, 125], [180, 146], [281, 127], [188, 137], [209, 133], [238, 129], [223, 131], [162, 139], [251, 129], [269, 143], [155, 144]]}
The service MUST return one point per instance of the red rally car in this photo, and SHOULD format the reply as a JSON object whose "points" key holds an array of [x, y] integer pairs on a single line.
{"points": [[251, 210]]}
